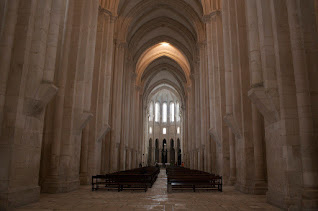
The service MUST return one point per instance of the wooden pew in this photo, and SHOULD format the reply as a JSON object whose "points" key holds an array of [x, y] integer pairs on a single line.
{"points": [[140, 178], [183, 178]]}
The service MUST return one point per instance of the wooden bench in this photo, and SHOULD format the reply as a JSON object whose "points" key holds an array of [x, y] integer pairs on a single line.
{"points": [[182, 178], [136, 179]]}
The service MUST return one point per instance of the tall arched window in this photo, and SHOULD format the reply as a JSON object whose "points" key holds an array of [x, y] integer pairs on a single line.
{"points": [[171, 112], [157, 112], [151, 112], [178, 112], [164, 112]]}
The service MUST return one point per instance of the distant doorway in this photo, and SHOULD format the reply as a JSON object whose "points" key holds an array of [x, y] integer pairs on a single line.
{"points": [[150, 153], [172, 152], [179, 152], [164, 151], [157, 151]]}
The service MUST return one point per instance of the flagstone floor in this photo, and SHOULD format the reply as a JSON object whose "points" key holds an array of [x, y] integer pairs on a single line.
{"points": [[156, 198]]}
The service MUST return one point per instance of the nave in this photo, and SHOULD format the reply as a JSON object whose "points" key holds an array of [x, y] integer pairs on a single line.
{"points": [[93, 87], [156, 198]]}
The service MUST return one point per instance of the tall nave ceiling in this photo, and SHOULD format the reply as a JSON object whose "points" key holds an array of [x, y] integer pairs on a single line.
{"points": [[91, 87]]}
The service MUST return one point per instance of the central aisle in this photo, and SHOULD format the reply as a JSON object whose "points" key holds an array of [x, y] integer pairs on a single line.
{"points": [[156, 198]]}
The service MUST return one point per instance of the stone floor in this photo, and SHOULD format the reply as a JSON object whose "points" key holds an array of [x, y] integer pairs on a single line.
{"points": [[155, 198]]}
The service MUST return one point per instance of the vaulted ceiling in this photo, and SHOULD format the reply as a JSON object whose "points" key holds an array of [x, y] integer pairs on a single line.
{"points": [[162, 41]]}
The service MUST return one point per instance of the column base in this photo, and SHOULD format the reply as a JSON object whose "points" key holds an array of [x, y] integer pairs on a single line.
{"points": [[19, 197], [242, 187], [232, 181], [84, 179], [309, 199], [54, 185], [256, 187], [260, 188], [282, 201]]}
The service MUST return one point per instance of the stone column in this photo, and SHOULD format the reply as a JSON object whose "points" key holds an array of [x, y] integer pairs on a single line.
{"points": [[299, 17], [203, 102], [316, 12], [127, 109], [23, 99], [228, 84], [232, 179], [84, 180], [190, 128], [197, 138], [127, 153], [255, 65], [117, 139], [7, 41], [210, 85]]}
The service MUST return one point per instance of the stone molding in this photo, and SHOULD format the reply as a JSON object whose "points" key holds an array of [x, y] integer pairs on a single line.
{"points": [[133, 75], [44, 94], [107, 13], [196, 75], [83, 120], [103, 132], [202, 44], [231, 123], [264, 100], [138, 88], [214, 135], [207, 18]]}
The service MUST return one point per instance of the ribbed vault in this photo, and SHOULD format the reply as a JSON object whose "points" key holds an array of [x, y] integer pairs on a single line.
{"points": [[207, 5], [161, 50]]}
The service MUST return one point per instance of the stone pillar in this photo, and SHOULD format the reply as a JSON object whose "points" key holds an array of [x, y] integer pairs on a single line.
{"points": [[298, 17], [228, 85], [7, 42], [197, 138], [84, 179], [316, 12], [23, 99], [190, 120], [133, 159], [117, 103], [122, 155], [160, 154], [256, 75], [260, 182], [255, 63], [203, 102], [232, 179]]}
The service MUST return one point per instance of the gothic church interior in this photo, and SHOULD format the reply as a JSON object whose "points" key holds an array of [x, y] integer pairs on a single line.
{"points": [[92, 87]]}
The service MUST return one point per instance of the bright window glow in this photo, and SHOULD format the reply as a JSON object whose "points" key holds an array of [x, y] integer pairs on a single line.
{"points": [[171, 112], [165, 44], [164, 130], [178, 130], [150, 130], [164, 112], [151, 112], [157, 112], [178, 112]]}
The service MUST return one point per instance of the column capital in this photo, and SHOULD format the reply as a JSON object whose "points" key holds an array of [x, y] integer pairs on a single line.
{"points": [[137, 87], [108, 13], [202, 44], [207, 18], [120, 43], [133, 75], [195, 75]]}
